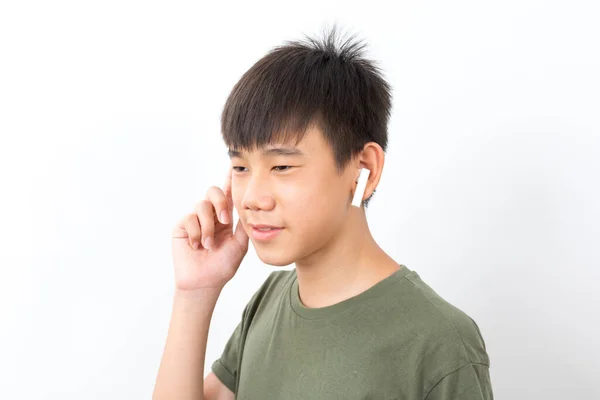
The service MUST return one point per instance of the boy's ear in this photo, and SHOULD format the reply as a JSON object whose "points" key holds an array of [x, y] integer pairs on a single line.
{"points": [[371, 158]]}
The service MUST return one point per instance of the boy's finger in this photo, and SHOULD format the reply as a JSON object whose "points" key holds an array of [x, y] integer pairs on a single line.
{"points": [[227, 184], [220, 203]]}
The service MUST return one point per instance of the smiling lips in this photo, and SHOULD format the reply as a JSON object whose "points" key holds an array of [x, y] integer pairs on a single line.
{"points": [[264, 232]]}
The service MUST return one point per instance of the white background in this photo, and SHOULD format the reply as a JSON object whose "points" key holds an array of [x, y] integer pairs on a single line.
{"points": [[109, 122]]}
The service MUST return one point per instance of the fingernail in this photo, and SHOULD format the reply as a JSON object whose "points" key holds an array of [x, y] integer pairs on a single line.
{"points": [[208, 242], [195, 244], [224, 218]]}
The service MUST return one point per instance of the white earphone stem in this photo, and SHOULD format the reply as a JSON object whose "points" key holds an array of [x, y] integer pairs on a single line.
{"points": [[360, 188]]}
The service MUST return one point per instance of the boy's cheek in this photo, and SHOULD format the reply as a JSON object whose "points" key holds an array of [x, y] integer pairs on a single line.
{"points": [[236, 194]]}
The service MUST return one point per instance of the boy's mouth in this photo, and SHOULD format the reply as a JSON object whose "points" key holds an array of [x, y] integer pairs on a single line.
{"points": [[264, 232]]}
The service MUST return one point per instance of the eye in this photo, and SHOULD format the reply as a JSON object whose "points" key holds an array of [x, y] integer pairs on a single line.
{"points": [[280, 168]]}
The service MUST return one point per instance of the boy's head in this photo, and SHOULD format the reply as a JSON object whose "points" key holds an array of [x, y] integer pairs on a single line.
{"points": [[332, 106]]}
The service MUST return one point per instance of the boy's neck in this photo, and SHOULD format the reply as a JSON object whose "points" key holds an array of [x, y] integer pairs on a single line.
{"points": [[350, 264]]}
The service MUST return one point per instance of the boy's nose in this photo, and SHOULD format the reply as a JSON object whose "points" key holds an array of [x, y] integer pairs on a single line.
{"points": [[258, 196]]}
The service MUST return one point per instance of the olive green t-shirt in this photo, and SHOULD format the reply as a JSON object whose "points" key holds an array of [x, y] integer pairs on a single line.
{"points": [[397, 340]]}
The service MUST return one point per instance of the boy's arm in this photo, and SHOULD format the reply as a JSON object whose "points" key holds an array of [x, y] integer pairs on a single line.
{"points": [[181, 371]]}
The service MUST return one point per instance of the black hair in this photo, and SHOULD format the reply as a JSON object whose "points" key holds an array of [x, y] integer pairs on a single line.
{"points": [[301, 83]]}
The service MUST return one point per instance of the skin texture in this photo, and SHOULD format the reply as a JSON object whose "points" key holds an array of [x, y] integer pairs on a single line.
{"points": [[326, 237]]}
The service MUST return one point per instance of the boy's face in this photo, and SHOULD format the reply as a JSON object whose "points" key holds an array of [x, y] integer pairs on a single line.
{"points": [[298, 190]]}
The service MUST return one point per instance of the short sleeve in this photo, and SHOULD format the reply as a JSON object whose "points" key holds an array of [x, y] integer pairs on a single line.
{"points": [[470, 382], [225, 367]]}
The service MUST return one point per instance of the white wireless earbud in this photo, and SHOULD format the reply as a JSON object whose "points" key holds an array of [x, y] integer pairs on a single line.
{"points": [[363, 177]]}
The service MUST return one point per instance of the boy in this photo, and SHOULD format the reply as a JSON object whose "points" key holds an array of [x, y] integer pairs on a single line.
{"points": [[348, 322]]}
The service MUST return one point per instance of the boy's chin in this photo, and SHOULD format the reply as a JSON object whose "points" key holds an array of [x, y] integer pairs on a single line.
{"points": [[275, 257]]}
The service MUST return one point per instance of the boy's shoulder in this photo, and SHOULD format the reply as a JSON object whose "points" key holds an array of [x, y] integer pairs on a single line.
{"points": [[275, 281], [271, 289], [442, 323]]}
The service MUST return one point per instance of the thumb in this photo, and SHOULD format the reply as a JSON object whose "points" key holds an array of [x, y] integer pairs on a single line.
{"points": [[240, 234]]}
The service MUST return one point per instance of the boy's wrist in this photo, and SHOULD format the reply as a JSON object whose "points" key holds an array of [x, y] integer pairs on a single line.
{"points": [[197, 295]]}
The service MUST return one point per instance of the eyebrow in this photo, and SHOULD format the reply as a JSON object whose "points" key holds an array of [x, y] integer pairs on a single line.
{"points": [[275, 151]]}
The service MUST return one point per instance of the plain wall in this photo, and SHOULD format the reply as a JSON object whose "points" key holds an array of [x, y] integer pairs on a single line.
{"points": [[110, 133]]}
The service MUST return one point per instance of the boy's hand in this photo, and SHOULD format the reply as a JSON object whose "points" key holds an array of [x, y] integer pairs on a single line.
{"points": [[219, 250]]}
